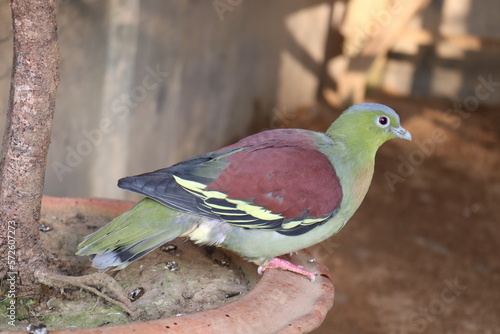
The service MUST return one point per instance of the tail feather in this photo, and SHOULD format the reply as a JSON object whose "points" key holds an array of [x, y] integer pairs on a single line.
{"points": [[134, 234], [122, 256]]}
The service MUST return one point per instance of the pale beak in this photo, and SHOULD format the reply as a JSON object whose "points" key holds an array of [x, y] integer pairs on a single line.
{"points": [[402, 133]]}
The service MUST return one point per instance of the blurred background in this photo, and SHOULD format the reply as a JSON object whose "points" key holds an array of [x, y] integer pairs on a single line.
{"points": [[145, 84]]}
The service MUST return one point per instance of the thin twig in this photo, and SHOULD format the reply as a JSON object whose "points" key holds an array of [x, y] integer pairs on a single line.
{"points": [[99, 279]]}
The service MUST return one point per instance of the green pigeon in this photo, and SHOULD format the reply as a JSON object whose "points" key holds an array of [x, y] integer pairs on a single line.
{"points": [[272, 193]]}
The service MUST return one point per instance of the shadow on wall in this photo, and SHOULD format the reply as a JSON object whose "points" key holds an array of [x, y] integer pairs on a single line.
{"points": [[145, 84]]}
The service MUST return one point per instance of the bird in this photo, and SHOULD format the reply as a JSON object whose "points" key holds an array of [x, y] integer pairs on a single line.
{"points": [[269, 194]]}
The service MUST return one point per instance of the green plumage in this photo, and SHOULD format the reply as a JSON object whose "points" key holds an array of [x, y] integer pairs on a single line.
{"points": [[290, 189], [137, 231]]}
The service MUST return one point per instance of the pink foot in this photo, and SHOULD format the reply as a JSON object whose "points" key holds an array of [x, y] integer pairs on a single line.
{"points": [[285, 265]]}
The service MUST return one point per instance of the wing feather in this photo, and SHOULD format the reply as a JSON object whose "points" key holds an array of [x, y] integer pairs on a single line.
{"points": [[279, 181]]}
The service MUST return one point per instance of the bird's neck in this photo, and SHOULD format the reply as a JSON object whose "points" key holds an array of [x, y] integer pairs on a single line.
{"points": [[354, 164], [358, 170]]}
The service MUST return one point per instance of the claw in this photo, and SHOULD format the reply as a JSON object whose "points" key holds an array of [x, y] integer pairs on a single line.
{"points": [[261, 270], [285, 265]]}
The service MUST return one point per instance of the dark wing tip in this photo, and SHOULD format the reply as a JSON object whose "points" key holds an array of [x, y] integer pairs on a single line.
{"points": [[135, 184], [156, 181], [150, 184], [126, 183]]}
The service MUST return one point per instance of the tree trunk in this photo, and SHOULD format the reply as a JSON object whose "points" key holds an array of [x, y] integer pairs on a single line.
{"points": [[34, 81]]}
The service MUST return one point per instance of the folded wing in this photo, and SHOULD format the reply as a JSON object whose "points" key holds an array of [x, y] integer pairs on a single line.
{"points": [[277, 180]]}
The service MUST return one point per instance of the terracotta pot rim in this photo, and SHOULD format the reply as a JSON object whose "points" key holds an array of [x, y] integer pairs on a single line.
{"points": [[280, 302]]}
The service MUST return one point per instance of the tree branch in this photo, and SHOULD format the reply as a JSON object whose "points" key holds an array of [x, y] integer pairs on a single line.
{"points": [[34, 81]]}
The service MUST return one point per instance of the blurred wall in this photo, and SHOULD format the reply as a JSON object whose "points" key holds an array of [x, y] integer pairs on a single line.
{"points": [[448, 50], [427, 48], [145, 84]]}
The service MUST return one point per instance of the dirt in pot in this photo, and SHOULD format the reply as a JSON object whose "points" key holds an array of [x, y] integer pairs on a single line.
{"points": [[177, 278]]}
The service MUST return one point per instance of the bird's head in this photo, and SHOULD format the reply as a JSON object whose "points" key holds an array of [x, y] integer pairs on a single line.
{"points": [[368, 124]]}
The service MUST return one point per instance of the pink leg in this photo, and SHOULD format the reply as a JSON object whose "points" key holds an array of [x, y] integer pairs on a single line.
{"points": [[285, 265]]}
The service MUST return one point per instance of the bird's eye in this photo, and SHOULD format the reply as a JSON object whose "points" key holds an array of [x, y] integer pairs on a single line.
{"points": [[383, 121]]}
